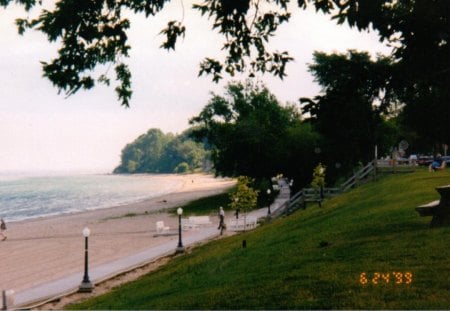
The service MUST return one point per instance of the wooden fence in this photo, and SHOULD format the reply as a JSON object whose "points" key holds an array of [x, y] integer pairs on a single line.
{"points": [[300, 199], [363, 175]]}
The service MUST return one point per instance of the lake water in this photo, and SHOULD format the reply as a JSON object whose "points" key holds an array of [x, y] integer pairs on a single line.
{"points": [[25, 197]]}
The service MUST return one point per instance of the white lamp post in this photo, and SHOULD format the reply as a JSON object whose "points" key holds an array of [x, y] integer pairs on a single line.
{"points": [[291, 184], [268, 201], [8, 299], [180, 247], [86, 285]]}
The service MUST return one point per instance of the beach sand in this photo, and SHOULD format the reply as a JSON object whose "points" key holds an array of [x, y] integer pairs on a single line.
{"points": [[45, 249]]}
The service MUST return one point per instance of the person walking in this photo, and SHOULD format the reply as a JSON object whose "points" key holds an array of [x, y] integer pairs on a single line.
{"points": [[222, 225], [3, 229]]}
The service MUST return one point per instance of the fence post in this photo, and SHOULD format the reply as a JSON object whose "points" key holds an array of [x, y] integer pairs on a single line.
{"points": [[375, 163], [304, 198]]}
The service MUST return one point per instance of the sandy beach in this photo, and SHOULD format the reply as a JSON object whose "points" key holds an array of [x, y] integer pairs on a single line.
{"points": [[45, 249]]}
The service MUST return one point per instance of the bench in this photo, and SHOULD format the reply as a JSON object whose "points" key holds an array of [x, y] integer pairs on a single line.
{"points": [[241, 224], [161, 228], [427, 209], [195, 222], [439, 209]]}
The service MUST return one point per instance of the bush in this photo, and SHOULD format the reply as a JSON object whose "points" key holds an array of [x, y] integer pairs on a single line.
{"points": [[183, 167]]}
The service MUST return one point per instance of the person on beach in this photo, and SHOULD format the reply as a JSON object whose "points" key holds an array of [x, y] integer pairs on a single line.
{"points": [[3, 229], [222, 225]]}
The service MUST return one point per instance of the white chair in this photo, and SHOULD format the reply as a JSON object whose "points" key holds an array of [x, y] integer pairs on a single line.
{"points": [[161, 228]]}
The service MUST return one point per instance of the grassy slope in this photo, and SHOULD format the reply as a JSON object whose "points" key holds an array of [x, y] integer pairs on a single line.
{"points": [[371, 229], [205, 206]]}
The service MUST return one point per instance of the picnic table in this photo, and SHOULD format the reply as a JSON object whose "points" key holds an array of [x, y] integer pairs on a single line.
{"points": [[439, 209]]}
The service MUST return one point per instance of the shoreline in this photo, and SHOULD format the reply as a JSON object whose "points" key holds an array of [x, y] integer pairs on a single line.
{"points": [[184, 186], [43, 249], [179, 181]]}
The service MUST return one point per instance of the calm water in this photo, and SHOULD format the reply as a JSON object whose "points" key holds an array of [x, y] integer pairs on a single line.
{"points": [[24, 197]]}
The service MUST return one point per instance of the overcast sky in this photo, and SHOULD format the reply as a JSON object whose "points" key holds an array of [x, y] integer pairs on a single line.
{"points": [[41, 130]]}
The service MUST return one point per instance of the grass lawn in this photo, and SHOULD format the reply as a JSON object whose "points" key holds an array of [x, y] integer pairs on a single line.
{"points": [[365, 249], [205, 206]]}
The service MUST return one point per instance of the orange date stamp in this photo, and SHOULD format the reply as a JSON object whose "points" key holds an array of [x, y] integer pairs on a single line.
{"points": [[379, 278]]}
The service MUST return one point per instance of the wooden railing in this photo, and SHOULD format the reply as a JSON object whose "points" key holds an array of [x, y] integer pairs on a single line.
{"points": [[363, 175], [391, 166], [305, 195], [360, 176]]}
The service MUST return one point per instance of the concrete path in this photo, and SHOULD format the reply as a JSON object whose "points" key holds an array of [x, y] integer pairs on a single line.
{"points": [[45, 292]]}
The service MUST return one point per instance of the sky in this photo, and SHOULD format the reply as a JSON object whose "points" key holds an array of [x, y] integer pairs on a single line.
{"points": [[41, 130]]}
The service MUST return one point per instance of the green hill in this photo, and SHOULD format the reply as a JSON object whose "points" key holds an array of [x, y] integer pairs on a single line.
{"points": [[315, 258]]}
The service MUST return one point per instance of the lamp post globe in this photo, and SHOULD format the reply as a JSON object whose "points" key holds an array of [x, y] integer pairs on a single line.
{"points": [[86, 284], [86, 232], [180, 247]]}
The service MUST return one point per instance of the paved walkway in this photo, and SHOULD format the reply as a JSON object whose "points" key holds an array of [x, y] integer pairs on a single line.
{"points": [[49, 291]]}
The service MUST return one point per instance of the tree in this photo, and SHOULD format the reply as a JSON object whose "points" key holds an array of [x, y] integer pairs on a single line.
{"points": [[143, 155], [94, 32], [247, 130], [318, 180], [179, 151], [245, 197], [250, 133], [300, 145], [183, 167], [427, 114], [156, 152], [356, 92]]}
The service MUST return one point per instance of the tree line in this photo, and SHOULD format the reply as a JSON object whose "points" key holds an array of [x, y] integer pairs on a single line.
{"points": [[246, 131], [156, 152], [359, 107]]}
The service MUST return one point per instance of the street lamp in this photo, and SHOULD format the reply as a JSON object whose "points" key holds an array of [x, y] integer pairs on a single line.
{"points": [[86, 285], [268, 201], [237, 207], [8, 299], [291, 184], [180, 247]]}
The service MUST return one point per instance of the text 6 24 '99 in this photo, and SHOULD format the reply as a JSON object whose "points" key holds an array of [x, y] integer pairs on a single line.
{"points": [[377, 278]]}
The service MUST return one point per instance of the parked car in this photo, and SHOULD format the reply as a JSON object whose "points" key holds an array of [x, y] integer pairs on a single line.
{"points": [[425, 160]]}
